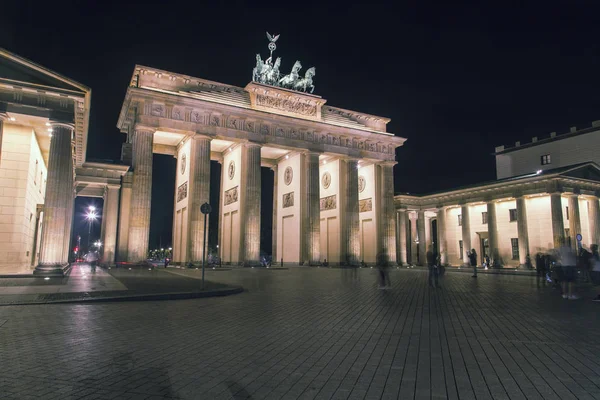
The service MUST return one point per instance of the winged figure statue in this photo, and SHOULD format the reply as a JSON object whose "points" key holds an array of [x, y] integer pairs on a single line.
{"points": [[272, 38]]}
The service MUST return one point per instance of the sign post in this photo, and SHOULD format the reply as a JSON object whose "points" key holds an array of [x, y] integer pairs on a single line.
{"points": [[579, 238], [205, 209]]}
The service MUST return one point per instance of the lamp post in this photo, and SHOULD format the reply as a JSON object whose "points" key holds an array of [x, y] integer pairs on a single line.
{"points": [[91, 217], [205, 209]]}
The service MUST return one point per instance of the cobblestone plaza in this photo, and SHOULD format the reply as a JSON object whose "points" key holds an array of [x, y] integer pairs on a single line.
{"points": [[311, 333]]}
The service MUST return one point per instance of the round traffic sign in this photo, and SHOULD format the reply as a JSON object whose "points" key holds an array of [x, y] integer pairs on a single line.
{"points": [[579, 237], [205, 208]]}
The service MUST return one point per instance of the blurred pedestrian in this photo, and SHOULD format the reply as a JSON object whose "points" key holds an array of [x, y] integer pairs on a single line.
{"points": [[472, 255], [568, 262], [433, 269], [540, 269]]}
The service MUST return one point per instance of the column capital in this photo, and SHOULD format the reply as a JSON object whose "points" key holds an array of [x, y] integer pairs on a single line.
{"points": [[54, 124], [252, 144], [143, 128], [200, 136], [387, 163]]}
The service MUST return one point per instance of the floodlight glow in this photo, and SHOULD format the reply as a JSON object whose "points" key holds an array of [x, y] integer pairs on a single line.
{"points": [[539, 171], [13, 119]]}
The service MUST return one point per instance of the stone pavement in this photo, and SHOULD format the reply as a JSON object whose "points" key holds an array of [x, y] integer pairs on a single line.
{"points": [[85, 283], [311, 333]]}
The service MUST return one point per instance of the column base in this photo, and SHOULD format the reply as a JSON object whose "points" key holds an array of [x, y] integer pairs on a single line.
{"points": [[51, 269]]}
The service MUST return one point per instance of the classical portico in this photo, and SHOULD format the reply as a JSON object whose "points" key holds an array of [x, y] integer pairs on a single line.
{"points": [[333, 187], [506, 220]]}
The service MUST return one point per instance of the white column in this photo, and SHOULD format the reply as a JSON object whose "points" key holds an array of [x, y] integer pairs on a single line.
{"points": [[441, 231], [220, 227], [3, 117], [522, 229], [351, 223], [124, 212], [594, 223], [141, 196], [574, 221], [422, 246], [59, 195], [387, 215], [275, 217], [251, 185], [558, 228], [493, 233], [111, 215], [412, 220], [312, 213], [466, 232], [402, 249], [199, 194]]}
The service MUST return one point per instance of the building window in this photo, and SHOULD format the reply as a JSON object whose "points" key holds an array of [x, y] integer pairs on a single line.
{"points": [[545, 159], [567, 210], [512, 214], [514, 243], [460, 249], [459, 219], [41, 180], [484, 217], [35, 174]]}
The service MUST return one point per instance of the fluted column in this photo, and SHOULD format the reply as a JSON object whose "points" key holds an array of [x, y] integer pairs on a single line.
{"points": [[594, 223], [251, 196], [141, 193], [493, 233], [522, 229], [574, 219], [3, 117], [558, 228], [199, 194], [351, 222], [312, 214], [59, 195], [111, 215], [275, 216], [422, 245], [414, 235], [441, 231], [402, 245], [220, 226], [466, 232], [124, 213], [387, 215], [68, 225]]}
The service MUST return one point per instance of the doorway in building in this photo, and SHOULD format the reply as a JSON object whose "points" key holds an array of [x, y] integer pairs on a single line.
{"points": [[484, 246]]}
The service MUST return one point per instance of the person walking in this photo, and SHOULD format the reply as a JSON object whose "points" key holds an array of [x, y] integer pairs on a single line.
{"points": [[433, 269], [540, 269], [473, 261], [568, 261]]}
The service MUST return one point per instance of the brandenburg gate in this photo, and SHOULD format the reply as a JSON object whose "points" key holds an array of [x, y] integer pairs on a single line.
{"points": [[333, 168]]}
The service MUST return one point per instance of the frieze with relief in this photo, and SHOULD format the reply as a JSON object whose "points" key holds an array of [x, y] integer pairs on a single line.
{"points": [[293, 106], [288, 200], [231, 196], [182, 191], [365, 205], [328, 203]]}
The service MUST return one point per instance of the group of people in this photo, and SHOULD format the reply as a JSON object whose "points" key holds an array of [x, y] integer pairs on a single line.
{"points": [[562, 267]]}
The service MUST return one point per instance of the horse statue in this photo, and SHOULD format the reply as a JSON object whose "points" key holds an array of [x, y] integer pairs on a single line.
{"points": [[271, 76], [288, 81], [305, 83], [258, 70]]}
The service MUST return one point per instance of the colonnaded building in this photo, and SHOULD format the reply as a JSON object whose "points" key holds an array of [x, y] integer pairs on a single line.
{"points": [[546, 192], [334, 188]]}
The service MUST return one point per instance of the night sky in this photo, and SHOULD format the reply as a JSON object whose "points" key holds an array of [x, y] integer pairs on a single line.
{"points": [[456, 79]]}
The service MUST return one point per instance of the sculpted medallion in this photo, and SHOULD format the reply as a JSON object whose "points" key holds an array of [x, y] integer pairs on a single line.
{"points": [[231, 169], [362, 184], [288, 175], [183, 163], [326, 180]]}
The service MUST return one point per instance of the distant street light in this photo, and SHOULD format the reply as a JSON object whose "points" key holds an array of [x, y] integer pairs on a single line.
{"points": [[91, 217]]}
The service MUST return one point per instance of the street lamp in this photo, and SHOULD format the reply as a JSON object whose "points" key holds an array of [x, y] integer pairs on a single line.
{"points": [[91, 217]]}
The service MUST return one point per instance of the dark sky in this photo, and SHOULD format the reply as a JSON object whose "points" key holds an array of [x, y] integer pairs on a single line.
{"points": [[456, 79]]}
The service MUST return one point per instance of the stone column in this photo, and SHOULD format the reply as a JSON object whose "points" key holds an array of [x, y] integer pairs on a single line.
{"points": [[124, 212], [3, 117], [422, 246], [141, 193], [412, 220], [594, 223], [466, 232], [441, 231], [493, 234], [522, 229], [351, 222], [103, 221], [199, 194], [220, 227], [388, 214], [251, 210], [59, 195], [68, 226], [111, 215], [275, 216], [312, 214], [401, 228], [558, 228], [574, 219]]}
